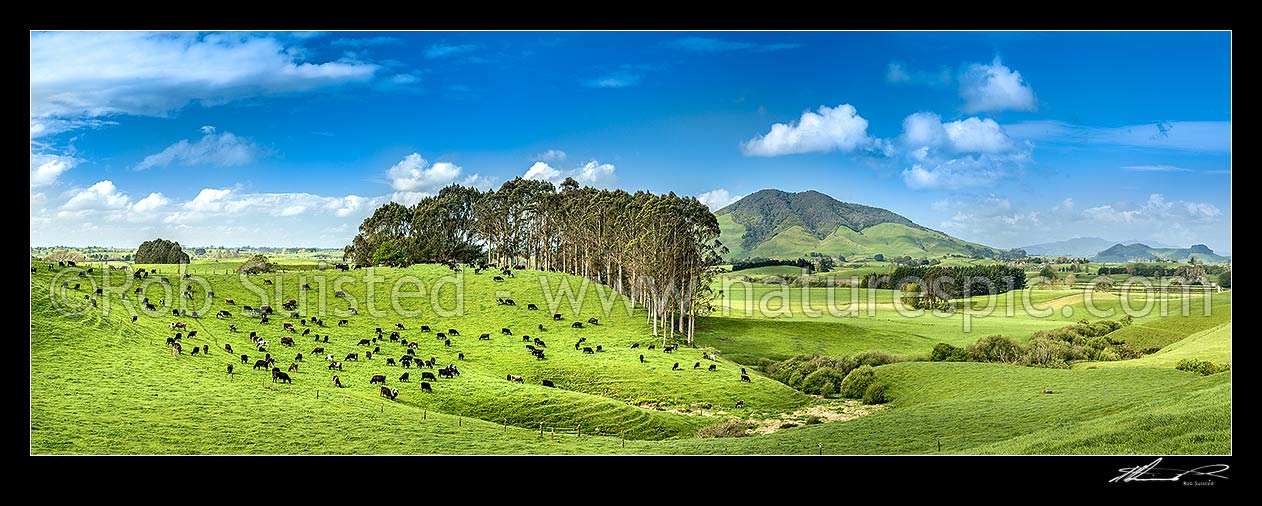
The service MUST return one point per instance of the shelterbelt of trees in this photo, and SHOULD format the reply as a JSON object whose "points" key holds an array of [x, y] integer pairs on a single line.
{"points": [[654, 249]]}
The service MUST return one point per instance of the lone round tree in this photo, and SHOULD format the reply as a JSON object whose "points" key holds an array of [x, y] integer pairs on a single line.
{"points": [[160, 251]]}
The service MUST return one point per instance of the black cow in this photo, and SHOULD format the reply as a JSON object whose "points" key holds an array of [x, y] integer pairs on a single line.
{"points": [[548, 383], [260, 364], [245, 359], [498, 278], [424, 328], [513, 378], [229, 369], [529, 347], [280, 376], [428, 376], [389, 393], [745, 378], [459, 356], [453, 332], [541, 329], [196, 350], [509, 302], [426, 388], [337, 382], [484, 337], [343, 322], [364, 342], [593, 321], [675, 367], [576, 325], [352, 357], [379, 378], [714, 367], [298, 358], [557, 316], [404, 377], [447, 342], [399, 326], [205, 349], [335, 365], [588, 349], [532, 307], [440, 336], [227, 347], [740, 404], [315, 351], [641, 358], [670, 348], [540, 343], [634, 346], [389, 361], [525, 339]]}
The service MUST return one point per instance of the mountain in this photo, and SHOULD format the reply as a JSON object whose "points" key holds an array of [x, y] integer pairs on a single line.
{"points": [[779, 224], [1076, 247], [1083, 246], [1119, 253]]}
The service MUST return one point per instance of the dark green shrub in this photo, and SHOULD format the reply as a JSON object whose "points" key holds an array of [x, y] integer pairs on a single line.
{"points": [[812, 420], [1202, 367], [857, 382], [875, 394], [824, 381], [994, 349]]}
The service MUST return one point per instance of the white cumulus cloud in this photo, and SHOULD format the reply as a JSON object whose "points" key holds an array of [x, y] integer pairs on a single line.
{"points": [[593, 173], [971, 152], [718, 199], [102, 195], [414, 173], [838, 128], [995, 87], [46, 168]]}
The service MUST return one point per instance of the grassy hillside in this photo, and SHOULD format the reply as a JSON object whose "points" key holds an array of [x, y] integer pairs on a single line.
{"points": [[776, 224], [119, 364], [102, 384], [1213, 345], [1161, 331]]}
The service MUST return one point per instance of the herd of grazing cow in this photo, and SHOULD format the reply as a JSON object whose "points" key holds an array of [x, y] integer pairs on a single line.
{"points": [[535, 348]]}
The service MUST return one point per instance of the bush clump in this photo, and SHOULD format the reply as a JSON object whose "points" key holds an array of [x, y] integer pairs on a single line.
{"points": [[726, 428], [857, 382], [875, 394], [1202, 367]]}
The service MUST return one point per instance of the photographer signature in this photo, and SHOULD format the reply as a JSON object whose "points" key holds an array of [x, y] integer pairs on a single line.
{"points": [[1151, 472]]}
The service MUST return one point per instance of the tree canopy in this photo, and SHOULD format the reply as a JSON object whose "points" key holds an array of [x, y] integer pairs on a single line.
{"points": [[654, 249], [160, 251]]}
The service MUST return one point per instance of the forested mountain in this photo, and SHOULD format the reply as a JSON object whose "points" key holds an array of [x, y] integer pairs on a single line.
{"points": [[1126, 253]]}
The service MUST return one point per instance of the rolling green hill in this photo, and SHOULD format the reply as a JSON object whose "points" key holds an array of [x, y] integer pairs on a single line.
{"points": [[777, 224]]}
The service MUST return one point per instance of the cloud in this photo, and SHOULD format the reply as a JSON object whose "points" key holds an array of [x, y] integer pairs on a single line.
{"points": [[830, 129], [104, 215], [995, 87], [897, 73], [1155, 168], [102, 195], [972, 152], [718, 199], [84, 75], [541, 171], [1196, 136], [215, 150], [152, 202], [361, 42], [615, 79], [593, 173], [414, 173], [41, 127], [441, 50], [551, 155], [46, 168], [710, 45]]}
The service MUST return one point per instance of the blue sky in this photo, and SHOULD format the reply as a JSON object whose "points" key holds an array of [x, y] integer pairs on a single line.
{"points": [[291, 139]]}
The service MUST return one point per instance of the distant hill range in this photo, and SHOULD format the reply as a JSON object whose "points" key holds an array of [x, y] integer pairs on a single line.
{"points": [[779, 224], [1082, 246], [1139, 251]]}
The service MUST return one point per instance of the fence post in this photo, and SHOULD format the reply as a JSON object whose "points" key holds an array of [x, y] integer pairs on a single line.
{"points": [[578, 431], [540, 429]]}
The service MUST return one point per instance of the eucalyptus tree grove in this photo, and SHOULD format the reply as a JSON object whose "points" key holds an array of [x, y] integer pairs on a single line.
{"points": [[654, 249]]}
